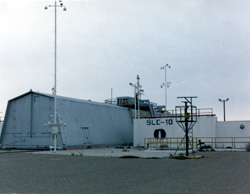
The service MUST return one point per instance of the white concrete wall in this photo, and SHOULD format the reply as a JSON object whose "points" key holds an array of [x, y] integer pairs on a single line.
{"points": [[233, 132], [205, 127], [232, 129]]}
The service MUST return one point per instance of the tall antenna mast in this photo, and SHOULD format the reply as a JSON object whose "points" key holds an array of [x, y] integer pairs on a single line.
{"points": [[55, 125]]}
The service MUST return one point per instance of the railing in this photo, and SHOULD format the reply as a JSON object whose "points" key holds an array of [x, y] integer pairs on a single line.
{"points": [[205, 111], [160, 143], [215, 142], [200, 111], [224, 142]]}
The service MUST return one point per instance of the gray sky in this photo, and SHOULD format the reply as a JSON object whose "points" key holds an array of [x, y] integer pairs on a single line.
{"points": [[104, 44]]}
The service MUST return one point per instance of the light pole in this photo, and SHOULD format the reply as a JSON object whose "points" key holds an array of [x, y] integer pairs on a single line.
{"points": [[55, 125], [224, 109], [166, 84]]}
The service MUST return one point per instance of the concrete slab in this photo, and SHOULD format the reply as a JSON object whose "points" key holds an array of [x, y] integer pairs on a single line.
{"points": [[10, 151], [115, 152]]}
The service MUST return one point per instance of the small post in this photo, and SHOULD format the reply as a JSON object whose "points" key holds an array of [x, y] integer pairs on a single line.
{"points": [[111, 95], [54, 142], [186, 126], [138, 95]]}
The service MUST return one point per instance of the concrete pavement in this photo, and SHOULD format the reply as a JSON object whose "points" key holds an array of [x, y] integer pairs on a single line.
{"points": [[217, 173]]}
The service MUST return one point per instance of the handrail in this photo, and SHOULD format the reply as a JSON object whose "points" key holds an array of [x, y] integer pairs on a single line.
{"points": [[215, 142], [200, 111]]}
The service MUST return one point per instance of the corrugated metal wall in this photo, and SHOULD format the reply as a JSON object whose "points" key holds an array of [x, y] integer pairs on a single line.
{"points": [[88, 123], [91, 123]]}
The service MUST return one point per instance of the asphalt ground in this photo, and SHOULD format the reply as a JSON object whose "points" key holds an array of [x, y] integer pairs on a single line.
{"points": [[217, 172]]}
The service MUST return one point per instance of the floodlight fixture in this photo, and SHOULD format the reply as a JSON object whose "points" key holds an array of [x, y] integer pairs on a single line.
{"points": [[224, 107]]}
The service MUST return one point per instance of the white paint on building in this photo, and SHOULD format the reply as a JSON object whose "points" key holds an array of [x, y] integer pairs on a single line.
{"points": [[206, 127], [233, 129]]}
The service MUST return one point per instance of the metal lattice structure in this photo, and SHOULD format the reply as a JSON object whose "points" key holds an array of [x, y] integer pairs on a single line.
{"points": [[181, 116], [186, 117]]}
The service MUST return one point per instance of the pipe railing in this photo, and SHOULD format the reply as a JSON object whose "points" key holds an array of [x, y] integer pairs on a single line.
{"points": [[200, 111], [215, 142]]}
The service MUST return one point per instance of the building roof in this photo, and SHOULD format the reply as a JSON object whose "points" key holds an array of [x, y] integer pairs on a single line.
{"points": [[64, 98]]}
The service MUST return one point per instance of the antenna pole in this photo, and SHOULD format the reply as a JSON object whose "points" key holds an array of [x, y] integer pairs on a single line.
{"points": [[55, 125], [138, 95], [55, 111]]}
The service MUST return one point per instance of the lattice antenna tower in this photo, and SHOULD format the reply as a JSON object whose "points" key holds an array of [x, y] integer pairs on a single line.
{"points": [[186, 117]]}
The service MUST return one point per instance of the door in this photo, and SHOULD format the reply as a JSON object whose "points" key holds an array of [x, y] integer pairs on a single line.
{"points": [[86, 135]]}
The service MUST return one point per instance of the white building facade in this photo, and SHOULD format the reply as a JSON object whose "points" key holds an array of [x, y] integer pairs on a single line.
{"points": [[207, 129]]}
